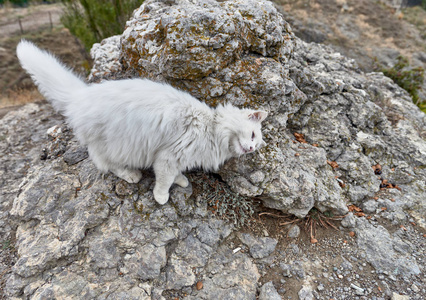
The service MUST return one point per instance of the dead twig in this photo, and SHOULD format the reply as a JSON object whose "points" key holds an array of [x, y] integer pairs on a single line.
{"points": [[272, 215], [290, 222], [331, 225], [322, 223]]}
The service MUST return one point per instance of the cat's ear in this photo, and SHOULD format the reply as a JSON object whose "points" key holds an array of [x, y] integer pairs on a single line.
{"points": [[258, 116]]}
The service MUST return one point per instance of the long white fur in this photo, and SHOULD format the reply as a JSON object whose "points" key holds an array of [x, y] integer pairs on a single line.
{"points": [[137, 123]]}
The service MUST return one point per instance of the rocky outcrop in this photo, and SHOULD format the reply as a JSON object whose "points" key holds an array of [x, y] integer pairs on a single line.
{"points": [[234, 52], [335, 135], [81, 235], [361, 120], [244, 53]]}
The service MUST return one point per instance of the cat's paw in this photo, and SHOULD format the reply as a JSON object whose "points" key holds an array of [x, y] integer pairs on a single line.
{"points": [[182, 181], [129, 175], [160, 197]]}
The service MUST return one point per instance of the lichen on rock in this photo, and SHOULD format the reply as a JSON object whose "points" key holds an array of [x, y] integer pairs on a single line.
{"points": [[187, 40], [233, 52], [244, 53]]}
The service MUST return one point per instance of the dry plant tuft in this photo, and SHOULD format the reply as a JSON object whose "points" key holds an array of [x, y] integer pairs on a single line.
{"points": [[222, 201], [310, 223]]}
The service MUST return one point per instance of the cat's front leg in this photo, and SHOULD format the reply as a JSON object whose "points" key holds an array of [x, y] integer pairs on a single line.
{"points": [[181, 180], [165, 175]]}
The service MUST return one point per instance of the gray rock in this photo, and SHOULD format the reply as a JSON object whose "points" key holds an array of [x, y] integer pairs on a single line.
{"points": [[369, 206], [350, 116], [358, 290], [215, 77], [179, 197], [286, 269], [103, 253], [63, 285], [396, 296], [380, 252], [361, 182], [297, 269], [193, 251], [73, 157], [123, 188], [294, 231], [227, 34], [77, 232], [231, 276], [415, 288], [268, 292], [63, 219], [349, 221], [208, 235], [179, 274], [346, 265], [306, 293], [105, 57], [259, 247], [146, 262]]}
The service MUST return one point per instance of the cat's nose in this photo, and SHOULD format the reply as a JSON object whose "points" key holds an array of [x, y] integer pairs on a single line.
{"points": [[251, 148]]}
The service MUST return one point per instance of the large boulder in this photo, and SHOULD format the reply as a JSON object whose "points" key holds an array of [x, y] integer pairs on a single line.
{"points": [[243, 52]]}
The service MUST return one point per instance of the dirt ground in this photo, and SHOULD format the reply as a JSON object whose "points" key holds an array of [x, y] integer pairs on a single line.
{"points": [[30, 18], [360, 29], [44, 30]]}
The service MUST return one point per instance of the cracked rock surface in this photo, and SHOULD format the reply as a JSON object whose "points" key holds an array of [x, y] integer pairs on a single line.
{"points": [[78, 235], [81, 235], [243, 52]]}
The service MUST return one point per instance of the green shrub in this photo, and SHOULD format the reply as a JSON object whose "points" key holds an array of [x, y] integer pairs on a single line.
{"points": [[410, 79], [93, 20]]}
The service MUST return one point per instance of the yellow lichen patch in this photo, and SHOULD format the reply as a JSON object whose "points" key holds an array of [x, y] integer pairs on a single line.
{"points": [[217, 58]]}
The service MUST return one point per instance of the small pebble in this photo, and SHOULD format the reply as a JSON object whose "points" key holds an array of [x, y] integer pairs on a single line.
{"points": [[415, 288]]}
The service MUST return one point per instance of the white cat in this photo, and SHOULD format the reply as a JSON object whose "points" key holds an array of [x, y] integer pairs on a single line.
{"points": [[132, 124]]}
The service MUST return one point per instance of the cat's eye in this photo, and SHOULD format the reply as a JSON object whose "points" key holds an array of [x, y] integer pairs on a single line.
{"points": [[252, 135]]}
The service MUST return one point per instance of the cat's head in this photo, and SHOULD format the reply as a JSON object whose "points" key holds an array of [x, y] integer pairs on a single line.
{"points": [[248, 137], [243, 127]]}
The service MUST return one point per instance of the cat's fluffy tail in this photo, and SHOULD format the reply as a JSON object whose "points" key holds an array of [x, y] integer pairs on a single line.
{"points": [[54, 80]]}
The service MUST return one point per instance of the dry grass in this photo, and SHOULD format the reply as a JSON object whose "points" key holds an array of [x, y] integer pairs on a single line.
{"points": [[19, 97], [16, 87], [32, 17], [416, 16]]}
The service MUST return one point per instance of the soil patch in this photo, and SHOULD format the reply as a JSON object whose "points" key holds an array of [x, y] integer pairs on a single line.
{"points": [[358, 29], [16, 86]]}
